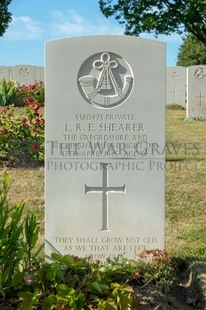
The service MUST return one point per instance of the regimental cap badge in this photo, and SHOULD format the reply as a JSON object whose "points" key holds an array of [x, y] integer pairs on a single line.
{"points": [[105, 80], [200, 73]]}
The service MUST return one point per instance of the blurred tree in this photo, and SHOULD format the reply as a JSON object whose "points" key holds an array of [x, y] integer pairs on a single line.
{"points": [[191, 52], [5, 16], [159, 16]]}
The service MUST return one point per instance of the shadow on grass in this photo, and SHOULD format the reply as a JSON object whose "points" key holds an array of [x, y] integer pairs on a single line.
{"points": [[20, 163]]}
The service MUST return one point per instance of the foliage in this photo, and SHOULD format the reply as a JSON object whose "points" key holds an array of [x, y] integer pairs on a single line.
{"points": [[159, 16], [73, 283], [18, 239], [22, 132], [157, 267], [32, 93], [8, 92], [5, 16], [12, 93], [191, 52]]}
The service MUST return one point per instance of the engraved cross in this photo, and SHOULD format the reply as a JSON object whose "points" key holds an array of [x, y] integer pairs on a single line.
{"points": [[105, 190], [174, 92], [200, 97]]}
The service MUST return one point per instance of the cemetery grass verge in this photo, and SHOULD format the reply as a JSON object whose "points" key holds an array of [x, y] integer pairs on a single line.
{"points": [[185, 186]]}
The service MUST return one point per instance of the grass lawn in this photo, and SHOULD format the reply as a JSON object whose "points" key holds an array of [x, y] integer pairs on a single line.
{"points": [[185, 187]]}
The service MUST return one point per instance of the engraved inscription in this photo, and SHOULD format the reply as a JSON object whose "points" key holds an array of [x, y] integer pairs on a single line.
{"points": [[104, 247], [105, 190], [105, 80]]}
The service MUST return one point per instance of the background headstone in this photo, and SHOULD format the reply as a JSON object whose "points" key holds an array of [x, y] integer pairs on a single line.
{"points": [[24, 74], [196, 91], [5, 73], [176, 86], [105, 137], [39, 73]]}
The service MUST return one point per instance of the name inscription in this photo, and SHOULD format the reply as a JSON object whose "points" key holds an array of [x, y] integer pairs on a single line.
{"points": [[101, 136]]}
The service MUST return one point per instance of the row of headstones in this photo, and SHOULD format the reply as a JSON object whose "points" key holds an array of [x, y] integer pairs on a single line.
{"points": [[186, 87], [23, 74]]}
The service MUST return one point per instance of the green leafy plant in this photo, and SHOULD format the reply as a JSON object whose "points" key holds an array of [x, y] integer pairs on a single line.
{"points": [[11, 236], [22, 132], [31, 230], [72, 283], [8, 92], [18, 238], [156, 267]]}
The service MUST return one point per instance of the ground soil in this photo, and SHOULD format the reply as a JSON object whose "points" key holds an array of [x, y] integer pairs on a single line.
{"points": [[188, 294], [151, 298]]}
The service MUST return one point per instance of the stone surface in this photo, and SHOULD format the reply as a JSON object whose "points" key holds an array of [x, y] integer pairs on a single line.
{"points": [[196, 91], [176, 86], [24, 74], [105, 137], [39, 73], [5, 72]]}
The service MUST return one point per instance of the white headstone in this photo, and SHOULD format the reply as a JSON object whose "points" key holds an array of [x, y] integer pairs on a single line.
{"points": [[196, 90], [105, 116], [5, 73], [176, 86], [39, 74], [24, 74]]}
